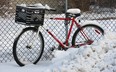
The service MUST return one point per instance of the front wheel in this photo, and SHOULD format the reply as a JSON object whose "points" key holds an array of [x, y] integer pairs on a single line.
{"points": [[87, 34], [28, 46]]}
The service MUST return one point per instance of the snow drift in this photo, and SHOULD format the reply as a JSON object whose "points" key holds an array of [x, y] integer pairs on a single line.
{"points": [[100, 57]]}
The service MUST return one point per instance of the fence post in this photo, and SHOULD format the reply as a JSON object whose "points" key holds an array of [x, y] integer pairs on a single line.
{"points": [[66, 25]]}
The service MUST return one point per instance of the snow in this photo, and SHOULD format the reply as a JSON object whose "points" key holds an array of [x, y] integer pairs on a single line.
{"points": [[74, 11], [37, 5], [99, 57], [24, 5]]}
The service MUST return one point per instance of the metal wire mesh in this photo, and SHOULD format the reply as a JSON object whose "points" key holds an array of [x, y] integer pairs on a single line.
{"points": [[91, 10]]}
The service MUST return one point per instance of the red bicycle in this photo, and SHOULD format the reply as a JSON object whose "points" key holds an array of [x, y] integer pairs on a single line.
{"points": [[28, 47]]}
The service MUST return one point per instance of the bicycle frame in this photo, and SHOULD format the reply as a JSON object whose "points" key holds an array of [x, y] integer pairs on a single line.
{"points": [[69, 32]]}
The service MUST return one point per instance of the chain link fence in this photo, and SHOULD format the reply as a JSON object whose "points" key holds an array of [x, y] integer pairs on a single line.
{"points": [[102, 11]]}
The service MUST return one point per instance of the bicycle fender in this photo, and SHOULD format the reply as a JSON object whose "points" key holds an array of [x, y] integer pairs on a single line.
{"points": [[92, 22], [29, 28], [24, 30]]}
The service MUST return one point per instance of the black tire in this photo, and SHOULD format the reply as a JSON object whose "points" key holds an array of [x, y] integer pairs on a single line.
{"points": [[89, 29], [24, 53]]}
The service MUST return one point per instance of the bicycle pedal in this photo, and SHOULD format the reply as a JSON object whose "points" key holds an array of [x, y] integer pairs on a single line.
{"points": [[52, 48], [65, 49], [77, 46]]}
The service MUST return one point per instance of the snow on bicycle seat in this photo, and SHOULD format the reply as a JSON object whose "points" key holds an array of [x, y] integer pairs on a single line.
{"points": [[74, 11]]}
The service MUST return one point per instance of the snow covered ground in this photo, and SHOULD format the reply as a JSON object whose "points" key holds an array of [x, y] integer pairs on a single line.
{"points": [[99, 57]]}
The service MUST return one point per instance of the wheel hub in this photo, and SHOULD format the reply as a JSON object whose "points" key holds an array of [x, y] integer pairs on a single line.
{"points": [[28, 47]]}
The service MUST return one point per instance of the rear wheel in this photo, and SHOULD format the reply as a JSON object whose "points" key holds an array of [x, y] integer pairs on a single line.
{"points": [[28, 46], [87, 34]]}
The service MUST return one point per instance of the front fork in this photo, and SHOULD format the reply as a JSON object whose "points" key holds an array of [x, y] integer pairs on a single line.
{"points": [[33, 38]]}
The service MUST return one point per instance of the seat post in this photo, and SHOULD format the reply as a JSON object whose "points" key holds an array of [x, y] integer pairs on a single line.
{"points": [[66, 22]]}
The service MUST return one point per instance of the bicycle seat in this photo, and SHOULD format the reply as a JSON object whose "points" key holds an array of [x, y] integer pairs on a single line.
{"points": [[74, 11]]}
